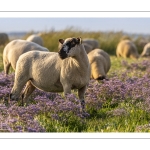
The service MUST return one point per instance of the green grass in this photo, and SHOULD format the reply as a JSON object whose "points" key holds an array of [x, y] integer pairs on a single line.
{"points": [[133, 117], [102, 120]]}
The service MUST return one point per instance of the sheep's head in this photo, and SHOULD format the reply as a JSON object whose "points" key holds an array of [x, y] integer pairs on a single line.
{"points": [[12, 97], [67, 47], [146, 53]]}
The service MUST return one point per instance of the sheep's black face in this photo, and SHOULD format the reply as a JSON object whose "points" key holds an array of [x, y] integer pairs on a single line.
{"points": [[66, 46]]}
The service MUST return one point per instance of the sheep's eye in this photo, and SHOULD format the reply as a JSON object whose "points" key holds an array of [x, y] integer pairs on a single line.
{"points": [[73, 44]]}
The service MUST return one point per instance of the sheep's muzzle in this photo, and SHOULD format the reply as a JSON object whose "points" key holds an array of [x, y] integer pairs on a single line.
{"points": [[11, 98], [62, 54]]}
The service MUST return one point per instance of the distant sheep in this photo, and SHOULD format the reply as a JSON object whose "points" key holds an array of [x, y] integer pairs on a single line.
{"points": [[127, 49], [36, 39], [14, 49], [146, 50], [3, 39], [100, 64], [92, 42], [53, 72], [87, 47]]}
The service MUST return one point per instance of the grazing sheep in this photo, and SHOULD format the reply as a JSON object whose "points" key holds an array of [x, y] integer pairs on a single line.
{"points": [[87, 47], [36, 39], [92, 42], [14, 49], [127, 49], [100, 64], [53, 72], [3, 39], [146, 50]]}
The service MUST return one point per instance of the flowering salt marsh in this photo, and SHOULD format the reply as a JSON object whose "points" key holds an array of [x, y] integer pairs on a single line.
{"points": [[120, 104]]}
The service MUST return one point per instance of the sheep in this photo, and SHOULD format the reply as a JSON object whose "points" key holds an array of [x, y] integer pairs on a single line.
{"points": [[92, 42], [14, 49], [53, 72], [146, 50], [3, 39], [36, 39], [127, 49], [100, 64], [87, 47]]}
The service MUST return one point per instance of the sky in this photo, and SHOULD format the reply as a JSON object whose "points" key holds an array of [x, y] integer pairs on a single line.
{"points": [[27, 24]]}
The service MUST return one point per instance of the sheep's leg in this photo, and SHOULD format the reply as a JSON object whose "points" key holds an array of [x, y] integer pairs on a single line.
{"points": [[67, 89], [19, 83], [81, 93], [16, 90], [6, 68], [118, 55], [27, 92]]}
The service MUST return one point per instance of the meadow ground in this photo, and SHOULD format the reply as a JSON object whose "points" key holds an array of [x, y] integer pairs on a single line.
{"points": [[121, 104]]}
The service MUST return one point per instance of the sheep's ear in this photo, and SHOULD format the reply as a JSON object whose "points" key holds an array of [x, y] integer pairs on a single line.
{"points": [[61, 41], [79, 40]]}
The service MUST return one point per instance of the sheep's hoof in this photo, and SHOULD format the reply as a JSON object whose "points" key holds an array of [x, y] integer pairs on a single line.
{"points": [[6, 101], [101, 78], [83, 111]]}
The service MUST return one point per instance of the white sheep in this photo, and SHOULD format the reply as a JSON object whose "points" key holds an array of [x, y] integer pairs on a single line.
{"points": [[127, 49], [36, 38], [53, 72], [3, 39], [14, 49], [92, 42], [87, 47], [146, 50], [100, 63]]}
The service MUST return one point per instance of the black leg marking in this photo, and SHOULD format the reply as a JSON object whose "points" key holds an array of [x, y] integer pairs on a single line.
{"points": [[83, 105], [101, 78], [22, 97]]}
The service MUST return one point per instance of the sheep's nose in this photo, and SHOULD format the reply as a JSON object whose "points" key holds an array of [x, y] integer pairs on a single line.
{"points": [[62, 55]]}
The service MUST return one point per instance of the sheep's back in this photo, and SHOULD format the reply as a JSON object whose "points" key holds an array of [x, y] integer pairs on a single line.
{"points": [[92, 42], [36, 39], [15, 48], [43, 69], [87, 47], [3, 38], [100, 56], [126, 48]]}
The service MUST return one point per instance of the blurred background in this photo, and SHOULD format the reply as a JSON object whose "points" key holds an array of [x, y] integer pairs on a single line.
{"points": [[108, 31]]}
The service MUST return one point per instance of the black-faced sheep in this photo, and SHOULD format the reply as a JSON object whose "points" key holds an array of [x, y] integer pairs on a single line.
{"points": [[100, 64], [14, 49], [92, 42], [127, 49], [87, 47], [3, 39], [146, 50], [36, 39], [53, 72]]}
